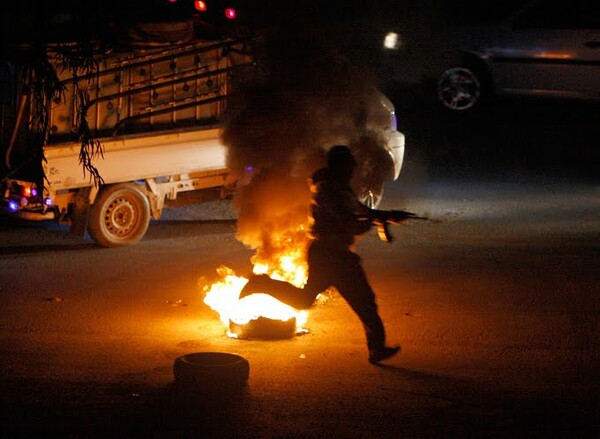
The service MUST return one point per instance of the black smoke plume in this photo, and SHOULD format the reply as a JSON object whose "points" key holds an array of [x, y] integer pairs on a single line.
{"points": [[304, 98]]}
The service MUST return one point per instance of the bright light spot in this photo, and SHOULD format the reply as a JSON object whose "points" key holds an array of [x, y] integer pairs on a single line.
{"points": [[392, 41], [13, 206], [393, 121], [48, 202], [230, 13], [200, 5]]}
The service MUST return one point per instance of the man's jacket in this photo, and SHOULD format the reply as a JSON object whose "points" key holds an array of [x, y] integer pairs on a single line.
{"points": [[335, 211]]}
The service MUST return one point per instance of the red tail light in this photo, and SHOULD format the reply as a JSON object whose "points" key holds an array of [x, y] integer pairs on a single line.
{"points": [[200, 5], [230, 13]]}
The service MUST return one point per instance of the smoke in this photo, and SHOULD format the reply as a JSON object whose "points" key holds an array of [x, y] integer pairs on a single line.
{"points": [[305, 98]]}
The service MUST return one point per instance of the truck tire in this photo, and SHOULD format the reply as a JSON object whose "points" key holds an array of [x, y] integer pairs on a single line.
{"points": [[119, 216]]}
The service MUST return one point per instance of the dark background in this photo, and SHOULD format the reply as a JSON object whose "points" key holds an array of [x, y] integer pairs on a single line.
{"points": [[65, 19], [543, 136]]}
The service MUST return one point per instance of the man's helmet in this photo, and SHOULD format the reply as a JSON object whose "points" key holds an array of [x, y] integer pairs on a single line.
{"points": [[340, 156]]}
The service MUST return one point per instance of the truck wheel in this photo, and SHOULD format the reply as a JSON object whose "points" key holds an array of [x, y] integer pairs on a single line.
{"points": [[119, 216]]}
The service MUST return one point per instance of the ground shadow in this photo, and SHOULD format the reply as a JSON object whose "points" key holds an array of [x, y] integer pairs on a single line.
{"points": [[122, 409], [178, 228], [495, 412], [46, 248]]}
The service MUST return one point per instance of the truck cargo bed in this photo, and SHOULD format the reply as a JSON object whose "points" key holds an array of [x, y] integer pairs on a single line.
{"points": [[129, 158]]}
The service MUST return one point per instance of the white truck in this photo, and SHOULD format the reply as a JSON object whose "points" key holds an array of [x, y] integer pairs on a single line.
{"points": [[155, 116], [152, 120]]}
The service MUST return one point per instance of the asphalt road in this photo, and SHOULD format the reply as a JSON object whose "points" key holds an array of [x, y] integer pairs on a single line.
{"points": [[495, 304]]}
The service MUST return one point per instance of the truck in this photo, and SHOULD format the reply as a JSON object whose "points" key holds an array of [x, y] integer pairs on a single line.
{"points": [[151, 131], [124, 136]]}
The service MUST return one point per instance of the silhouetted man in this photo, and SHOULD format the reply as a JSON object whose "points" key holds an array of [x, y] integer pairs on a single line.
{"points": [[338, 218]]}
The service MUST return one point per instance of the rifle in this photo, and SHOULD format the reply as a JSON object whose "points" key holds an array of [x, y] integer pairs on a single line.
{"points": [[383, 218]]}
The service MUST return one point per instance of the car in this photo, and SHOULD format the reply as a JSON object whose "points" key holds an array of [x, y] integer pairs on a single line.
{"points": [[544, 49]]}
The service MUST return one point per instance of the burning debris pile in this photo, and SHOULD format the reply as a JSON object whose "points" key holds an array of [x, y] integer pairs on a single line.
{"points": [[280, 125]]}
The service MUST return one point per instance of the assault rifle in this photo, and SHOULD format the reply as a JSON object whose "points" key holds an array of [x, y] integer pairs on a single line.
{"points": [[383, 218]]}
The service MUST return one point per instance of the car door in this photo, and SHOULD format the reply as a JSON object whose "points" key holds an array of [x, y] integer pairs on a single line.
{"points": [[552, 48]]}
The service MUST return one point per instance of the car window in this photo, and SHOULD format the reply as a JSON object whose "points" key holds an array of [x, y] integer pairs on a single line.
{"points": [[577, 14]]}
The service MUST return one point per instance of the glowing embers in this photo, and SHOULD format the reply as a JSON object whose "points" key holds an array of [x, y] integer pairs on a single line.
{"points": [[255, 316]]}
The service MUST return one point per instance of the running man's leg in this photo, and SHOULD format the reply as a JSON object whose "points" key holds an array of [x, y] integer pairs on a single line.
{"points": [[353, 285]]}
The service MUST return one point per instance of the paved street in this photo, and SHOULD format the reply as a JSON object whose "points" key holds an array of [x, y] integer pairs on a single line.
{"points": [[494, 301], [495, 304]]}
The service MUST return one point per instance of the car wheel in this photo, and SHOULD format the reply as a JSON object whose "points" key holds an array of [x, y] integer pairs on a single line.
{"points": [[119, 216], [211, 369], [461, 88], [371, 198]]}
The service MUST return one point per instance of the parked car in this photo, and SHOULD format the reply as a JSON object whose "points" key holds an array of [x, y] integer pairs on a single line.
{"points": [[546, 49], [543, 49]]}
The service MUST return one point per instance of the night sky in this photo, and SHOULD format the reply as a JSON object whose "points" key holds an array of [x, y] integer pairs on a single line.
{"points": [[64, 19]]}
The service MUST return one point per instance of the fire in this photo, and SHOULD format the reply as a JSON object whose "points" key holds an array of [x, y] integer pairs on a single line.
{"points": [[285, 261]]}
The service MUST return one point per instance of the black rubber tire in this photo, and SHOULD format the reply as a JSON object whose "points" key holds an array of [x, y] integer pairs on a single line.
{"points": [[119, 216], [211, 370]]}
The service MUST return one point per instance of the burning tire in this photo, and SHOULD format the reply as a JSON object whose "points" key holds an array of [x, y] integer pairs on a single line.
{"points": [[119, 216], [211, 370], [264, 328]]}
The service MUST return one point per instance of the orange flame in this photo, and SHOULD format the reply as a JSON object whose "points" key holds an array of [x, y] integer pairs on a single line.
{"points": [[285, 260]]}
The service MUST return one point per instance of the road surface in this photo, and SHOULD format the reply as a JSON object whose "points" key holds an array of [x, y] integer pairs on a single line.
{"points": [[495, 304]]}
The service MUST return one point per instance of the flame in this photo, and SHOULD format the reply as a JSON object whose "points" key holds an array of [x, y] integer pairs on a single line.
{"points": [[285, 260], [277, 132]]}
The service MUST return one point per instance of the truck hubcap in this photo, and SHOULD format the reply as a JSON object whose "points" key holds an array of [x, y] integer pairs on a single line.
{"points": [[120, 217]]}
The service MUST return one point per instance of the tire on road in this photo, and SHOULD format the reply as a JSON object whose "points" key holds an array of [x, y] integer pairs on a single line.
{"points": [[211, 370], [119, 216]]}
